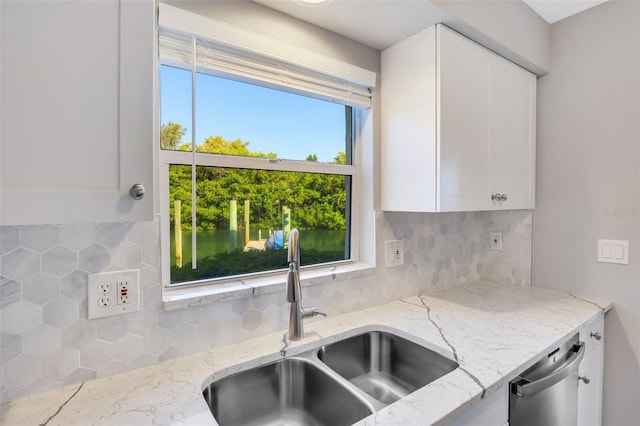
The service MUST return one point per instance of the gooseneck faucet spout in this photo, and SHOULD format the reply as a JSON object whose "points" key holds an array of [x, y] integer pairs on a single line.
{"points": [[297, 312]]}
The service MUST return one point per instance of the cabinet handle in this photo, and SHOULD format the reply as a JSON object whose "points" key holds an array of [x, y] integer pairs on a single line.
{"points": [[137, 191], [503, 197], [585, 379], [596, 335]]}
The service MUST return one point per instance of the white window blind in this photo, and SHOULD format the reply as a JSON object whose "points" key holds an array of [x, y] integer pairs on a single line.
{"points": [[252, 64]]}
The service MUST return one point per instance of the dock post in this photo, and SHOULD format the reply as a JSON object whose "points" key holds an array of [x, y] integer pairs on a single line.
{"points": [[247, 206], [286, 225], [177, 226], [233, 224]]}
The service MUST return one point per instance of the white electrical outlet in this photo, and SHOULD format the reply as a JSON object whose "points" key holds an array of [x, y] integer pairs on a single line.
{"points": [[496, 240], [113, 293], [104, 287], [123, 292], [394, 253]]}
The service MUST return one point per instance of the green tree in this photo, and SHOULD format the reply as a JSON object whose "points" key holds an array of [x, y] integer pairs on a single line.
{"points": [[317, 200], [340, 158], [171, 135], [218, 145], [312, 157]]}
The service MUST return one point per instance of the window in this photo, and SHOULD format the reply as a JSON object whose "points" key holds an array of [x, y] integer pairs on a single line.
{"points": [[257, 152], [243, 214]]}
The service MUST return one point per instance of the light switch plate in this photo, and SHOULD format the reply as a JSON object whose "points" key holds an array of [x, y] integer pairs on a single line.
{"points": [[613, 251]]}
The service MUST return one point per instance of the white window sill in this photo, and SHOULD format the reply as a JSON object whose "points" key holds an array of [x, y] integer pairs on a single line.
{"points": [[183, 297]]}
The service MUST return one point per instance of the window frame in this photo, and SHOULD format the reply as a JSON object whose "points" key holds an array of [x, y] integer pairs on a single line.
{"points": [[206, 159], [365, 177]]}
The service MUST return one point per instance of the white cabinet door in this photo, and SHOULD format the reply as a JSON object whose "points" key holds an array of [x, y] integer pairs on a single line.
{"points": [[464, 82], [77, 110], [592, 333], [590, 394], [512, 147], [451, 144], [408, 152]]}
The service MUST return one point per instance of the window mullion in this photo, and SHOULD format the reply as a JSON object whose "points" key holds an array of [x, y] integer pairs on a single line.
{"points": [[194, 248], [258, 163]]}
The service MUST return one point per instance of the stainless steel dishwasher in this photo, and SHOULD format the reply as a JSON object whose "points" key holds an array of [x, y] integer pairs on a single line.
{"points": [[547, 393]]}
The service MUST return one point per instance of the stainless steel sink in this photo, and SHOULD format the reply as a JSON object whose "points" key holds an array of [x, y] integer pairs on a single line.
{"points": [[337, 384], [291, 391], [385, 366]]}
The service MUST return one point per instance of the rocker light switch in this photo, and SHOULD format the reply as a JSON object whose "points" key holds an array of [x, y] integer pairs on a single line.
{"points": [[613, 251]]}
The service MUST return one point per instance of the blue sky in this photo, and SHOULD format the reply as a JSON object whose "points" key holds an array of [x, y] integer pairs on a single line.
{"points": [[290, 125]]}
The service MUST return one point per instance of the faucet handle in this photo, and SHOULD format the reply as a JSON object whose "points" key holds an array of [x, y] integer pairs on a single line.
{"points": [[312, 311], [317, 311]]}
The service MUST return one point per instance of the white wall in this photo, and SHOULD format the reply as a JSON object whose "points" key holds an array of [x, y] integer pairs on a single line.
{"points": [[588, 184]]}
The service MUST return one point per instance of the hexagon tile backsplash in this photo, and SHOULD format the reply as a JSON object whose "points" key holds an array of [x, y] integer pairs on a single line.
{"points": [[47, 342]]}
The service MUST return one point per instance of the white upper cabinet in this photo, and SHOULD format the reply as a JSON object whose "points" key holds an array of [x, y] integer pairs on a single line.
{"points": [[512, 147], [77, 111], [458, 127]]}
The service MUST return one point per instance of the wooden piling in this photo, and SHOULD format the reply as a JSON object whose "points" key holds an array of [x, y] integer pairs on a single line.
{"points": [[286, 225], [247, 206], [177, 226], [233, 225]]}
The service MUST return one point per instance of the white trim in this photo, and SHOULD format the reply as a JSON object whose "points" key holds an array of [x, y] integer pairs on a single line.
{"points": [[194, 163], [188, 23], [178, 297], [260, 163], [165, 234], [363, 216]]}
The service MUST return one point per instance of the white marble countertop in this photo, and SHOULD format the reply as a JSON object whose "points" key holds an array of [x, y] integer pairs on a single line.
{"points": [[493, 331]]}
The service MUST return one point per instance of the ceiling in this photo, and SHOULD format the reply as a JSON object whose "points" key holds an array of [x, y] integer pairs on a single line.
{"points": [[382, 23], [555, 10], [374, 23]]}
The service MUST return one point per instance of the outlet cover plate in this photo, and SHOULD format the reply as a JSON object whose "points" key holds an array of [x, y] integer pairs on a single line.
{"points": [[394, 253], [103, 293]]}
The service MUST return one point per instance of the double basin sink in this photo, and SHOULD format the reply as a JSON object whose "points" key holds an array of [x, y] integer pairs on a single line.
{"points": [[336, 384]]}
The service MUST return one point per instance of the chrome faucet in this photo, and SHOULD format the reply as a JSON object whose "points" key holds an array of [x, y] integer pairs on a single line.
{"points": [[294, 292]]}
